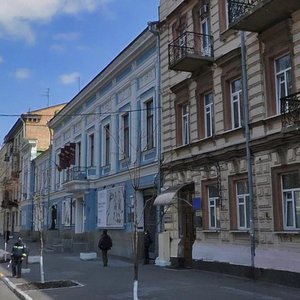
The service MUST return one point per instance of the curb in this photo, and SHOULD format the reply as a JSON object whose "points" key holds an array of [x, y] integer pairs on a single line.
{"points": [[20, 294]]}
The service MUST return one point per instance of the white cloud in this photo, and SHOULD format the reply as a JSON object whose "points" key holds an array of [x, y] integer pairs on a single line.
{"points": [[22, 74], [66, 36], [18, 16], [57, 48], [69, 78]]}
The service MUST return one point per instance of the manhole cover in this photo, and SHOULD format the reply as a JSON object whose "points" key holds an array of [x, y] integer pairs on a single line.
{"points": [[48, 285]]}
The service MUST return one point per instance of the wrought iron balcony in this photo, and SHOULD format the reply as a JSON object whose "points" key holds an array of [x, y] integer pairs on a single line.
{"points": [[258, 15], [290, 110], [80, 173], [9, 203], [190, 51], [77, 178]]}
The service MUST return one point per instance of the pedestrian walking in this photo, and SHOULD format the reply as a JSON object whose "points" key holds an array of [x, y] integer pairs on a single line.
{"points": [[147, 243], [105, 244], [18, 253]]}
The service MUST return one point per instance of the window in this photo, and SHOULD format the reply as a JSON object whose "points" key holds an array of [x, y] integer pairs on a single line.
{"points": [[91, 150], [182, 114], [126, 137], [205, 30], [214, 208], [150, 123], [236, 106], [282, 78], [185, 124], [78, 154], [291, 200], [209, 114], [243, 204], [106, 145]]}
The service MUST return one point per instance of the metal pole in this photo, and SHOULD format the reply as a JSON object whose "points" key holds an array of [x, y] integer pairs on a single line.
{"points": [[248, 150]]}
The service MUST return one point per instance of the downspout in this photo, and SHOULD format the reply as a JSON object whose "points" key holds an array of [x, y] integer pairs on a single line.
{"points": [[49, 178], [153, 28], [248, 150]]}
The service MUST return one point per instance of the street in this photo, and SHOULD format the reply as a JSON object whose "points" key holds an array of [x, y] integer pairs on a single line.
{"points": [[116, 282]]}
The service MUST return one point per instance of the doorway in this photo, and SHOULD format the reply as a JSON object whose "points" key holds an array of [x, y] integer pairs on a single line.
{"points": [[186, 226], [151, 222], [79, 215]]}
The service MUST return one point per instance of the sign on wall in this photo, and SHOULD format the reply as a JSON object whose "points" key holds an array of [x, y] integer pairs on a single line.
{"points": [[111, 207]]}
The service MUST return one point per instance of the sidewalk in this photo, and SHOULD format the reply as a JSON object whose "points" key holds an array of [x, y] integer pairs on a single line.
{"points": [[115, 282]]}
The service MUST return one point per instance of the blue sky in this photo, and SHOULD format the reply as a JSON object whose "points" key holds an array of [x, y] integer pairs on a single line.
{"points": [[60, 45]]}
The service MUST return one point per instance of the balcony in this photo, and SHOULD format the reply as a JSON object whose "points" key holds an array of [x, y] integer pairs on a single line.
{"points": [[9, 203], [77, 178], [190, 51], [258, 15], [290, 110]]}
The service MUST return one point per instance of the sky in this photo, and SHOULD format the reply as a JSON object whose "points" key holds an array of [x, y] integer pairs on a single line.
{"points": [[50, 49]]}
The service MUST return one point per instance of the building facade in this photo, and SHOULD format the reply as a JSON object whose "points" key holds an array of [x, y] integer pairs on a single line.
{"points": [[230, 119], [28, 137], [107, 147]]}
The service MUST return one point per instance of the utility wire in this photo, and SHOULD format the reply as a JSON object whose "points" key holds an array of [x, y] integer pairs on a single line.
{"points": [[80, 114]]}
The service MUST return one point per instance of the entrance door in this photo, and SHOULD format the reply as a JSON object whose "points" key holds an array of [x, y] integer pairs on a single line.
{"points": [[79, 215], [150, 219], [186, 229]]}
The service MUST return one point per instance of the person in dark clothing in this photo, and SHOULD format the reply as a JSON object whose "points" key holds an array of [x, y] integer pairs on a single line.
{"points": [[147, 243], [53, 216], [18, 253], [105, 244]]}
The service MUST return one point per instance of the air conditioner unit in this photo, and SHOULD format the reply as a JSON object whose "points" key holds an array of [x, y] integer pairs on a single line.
{"points": [[204, 9]]}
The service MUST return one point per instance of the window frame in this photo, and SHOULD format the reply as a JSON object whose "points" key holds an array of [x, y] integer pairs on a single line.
{"points": [[242, 201], [233, 200], [91, 150], [215, 207], [185, 124], [149, 124], [292, 200], [106, 158], [287, 85], [209, 111], [236, 97], [277, 192], [125, 135]]}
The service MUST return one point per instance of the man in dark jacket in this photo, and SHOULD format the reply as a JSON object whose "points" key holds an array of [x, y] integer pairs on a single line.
{"points": [[18, 253], [147, 243], [105, 244]]}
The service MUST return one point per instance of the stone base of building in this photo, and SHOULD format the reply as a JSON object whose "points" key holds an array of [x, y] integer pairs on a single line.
{"points": [[269, 275]]}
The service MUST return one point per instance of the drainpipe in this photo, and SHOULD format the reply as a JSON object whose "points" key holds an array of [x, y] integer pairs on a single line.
{"points": [[153, 28], [248, 150]]}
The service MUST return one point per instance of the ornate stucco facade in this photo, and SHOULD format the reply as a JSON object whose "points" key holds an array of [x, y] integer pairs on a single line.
{"points": [[206, 193]]}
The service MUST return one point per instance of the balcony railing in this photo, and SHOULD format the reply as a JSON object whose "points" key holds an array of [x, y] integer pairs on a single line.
{"points": [[238, 8], [190, 51], [9, 203], [80, 173], [258, 15], [290, 110]]}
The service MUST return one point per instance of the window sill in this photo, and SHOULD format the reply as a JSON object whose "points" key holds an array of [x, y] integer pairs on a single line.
{"points": [[227, 33], [287, 232], [239, 231], [211, 231]]}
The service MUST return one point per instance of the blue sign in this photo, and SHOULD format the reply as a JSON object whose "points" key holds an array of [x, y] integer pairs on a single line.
{"points": [[197, 203]]}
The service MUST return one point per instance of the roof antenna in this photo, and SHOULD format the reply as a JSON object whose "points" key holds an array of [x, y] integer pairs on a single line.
{"points": [[47, 95]]}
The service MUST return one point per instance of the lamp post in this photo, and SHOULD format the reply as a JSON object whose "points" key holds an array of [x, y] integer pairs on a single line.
{"points": [[248, 150]]}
